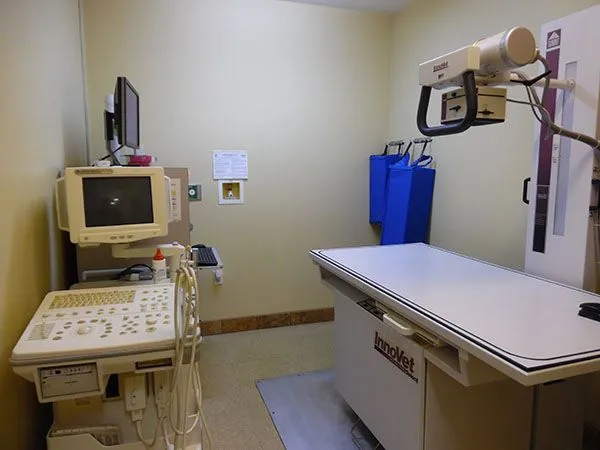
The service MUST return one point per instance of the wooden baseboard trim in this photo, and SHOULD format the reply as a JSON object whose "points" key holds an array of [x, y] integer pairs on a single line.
{"points": [[212, 327]]}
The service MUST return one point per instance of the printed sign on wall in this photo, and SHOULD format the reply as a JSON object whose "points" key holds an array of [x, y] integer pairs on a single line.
{"points": [[230, 165]]}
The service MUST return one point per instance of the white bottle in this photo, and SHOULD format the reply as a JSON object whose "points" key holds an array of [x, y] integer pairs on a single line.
{"points": [[159, 267]]}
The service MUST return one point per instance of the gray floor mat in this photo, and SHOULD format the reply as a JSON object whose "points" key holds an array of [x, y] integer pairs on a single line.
{"points": [[309, 413]]}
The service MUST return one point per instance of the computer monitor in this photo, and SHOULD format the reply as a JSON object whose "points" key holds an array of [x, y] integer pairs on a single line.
{"points": [[127, 113], [112, 205]]}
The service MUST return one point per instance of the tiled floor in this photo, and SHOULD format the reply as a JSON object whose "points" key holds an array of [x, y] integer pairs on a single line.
{"points": [[231, 363]]}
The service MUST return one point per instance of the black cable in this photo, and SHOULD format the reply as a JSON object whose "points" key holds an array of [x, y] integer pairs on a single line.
{"points": [[111, 154], [130, 269], [532, 81], [546, 65], [530, 102], [529, 82], [552, 126]]}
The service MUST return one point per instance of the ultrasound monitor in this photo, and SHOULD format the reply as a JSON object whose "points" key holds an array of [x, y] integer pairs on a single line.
{"points": [[112, 205]]}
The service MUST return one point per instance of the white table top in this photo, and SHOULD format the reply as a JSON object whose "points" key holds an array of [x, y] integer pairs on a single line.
{"points": [[512, 320]]}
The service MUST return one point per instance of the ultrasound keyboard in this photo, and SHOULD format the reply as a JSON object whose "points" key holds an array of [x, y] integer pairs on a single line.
{"points": [[99, 322]]}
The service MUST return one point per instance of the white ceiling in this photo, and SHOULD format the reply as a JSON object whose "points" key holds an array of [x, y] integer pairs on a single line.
{"points": [[369, 5]]}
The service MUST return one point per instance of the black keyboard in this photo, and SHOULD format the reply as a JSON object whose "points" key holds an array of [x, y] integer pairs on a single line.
{"points": [[206, 257]]}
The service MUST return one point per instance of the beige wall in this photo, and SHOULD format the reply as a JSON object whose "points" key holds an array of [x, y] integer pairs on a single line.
{"points": [[477, 206], [41, 127], [304, 89]]}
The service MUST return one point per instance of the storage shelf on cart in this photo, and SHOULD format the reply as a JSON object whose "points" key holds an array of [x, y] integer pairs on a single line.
{"points": [[87, 442]]}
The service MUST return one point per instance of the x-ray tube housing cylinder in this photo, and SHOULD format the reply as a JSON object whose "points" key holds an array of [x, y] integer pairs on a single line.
{"points": [[507, 50]]}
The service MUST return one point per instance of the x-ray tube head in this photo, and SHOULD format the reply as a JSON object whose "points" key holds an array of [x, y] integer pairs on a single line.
{"points": [[493, 55], [487, 60], [505, 51]]}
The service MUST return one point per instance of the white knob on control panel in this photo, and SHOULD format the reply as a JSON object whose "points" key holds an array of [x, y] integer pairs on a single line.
{"points": [[84, 329]]}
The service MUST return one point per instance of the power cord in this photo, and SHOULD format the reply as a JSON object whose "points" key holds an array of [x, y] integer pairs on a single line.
{"points": [[187, 326], [140, 434], [546, 119], [132, 269], [175, 408]]}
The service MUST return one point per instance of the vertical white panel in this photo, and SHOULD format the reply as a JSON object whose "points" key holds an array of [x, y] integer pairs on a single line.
{"points": [[563, 257]]}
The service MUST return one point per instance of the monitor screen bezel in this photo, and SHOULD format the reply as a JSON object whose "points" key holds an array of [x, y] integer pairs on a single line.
{"points": [[83, 235]]}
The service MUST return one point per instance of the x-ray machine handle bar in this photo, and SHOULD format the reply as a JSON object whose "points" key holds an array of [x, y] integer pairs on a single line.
{"points": [[455, 128]]}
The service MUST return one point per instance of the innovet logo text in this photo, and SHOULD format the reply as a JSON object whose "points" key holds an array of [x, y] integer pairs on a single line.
{"points": [[438, 67], [396, 356]]}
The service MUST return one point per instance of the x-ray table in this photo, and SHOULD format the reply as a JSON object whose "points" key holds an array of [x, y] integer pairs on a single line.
{"points": [[439, 351]]}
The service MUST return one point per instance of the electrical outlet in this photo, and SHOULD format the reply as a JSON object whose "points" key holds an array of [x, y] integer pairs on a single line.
{"points": [[135, 392]]}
